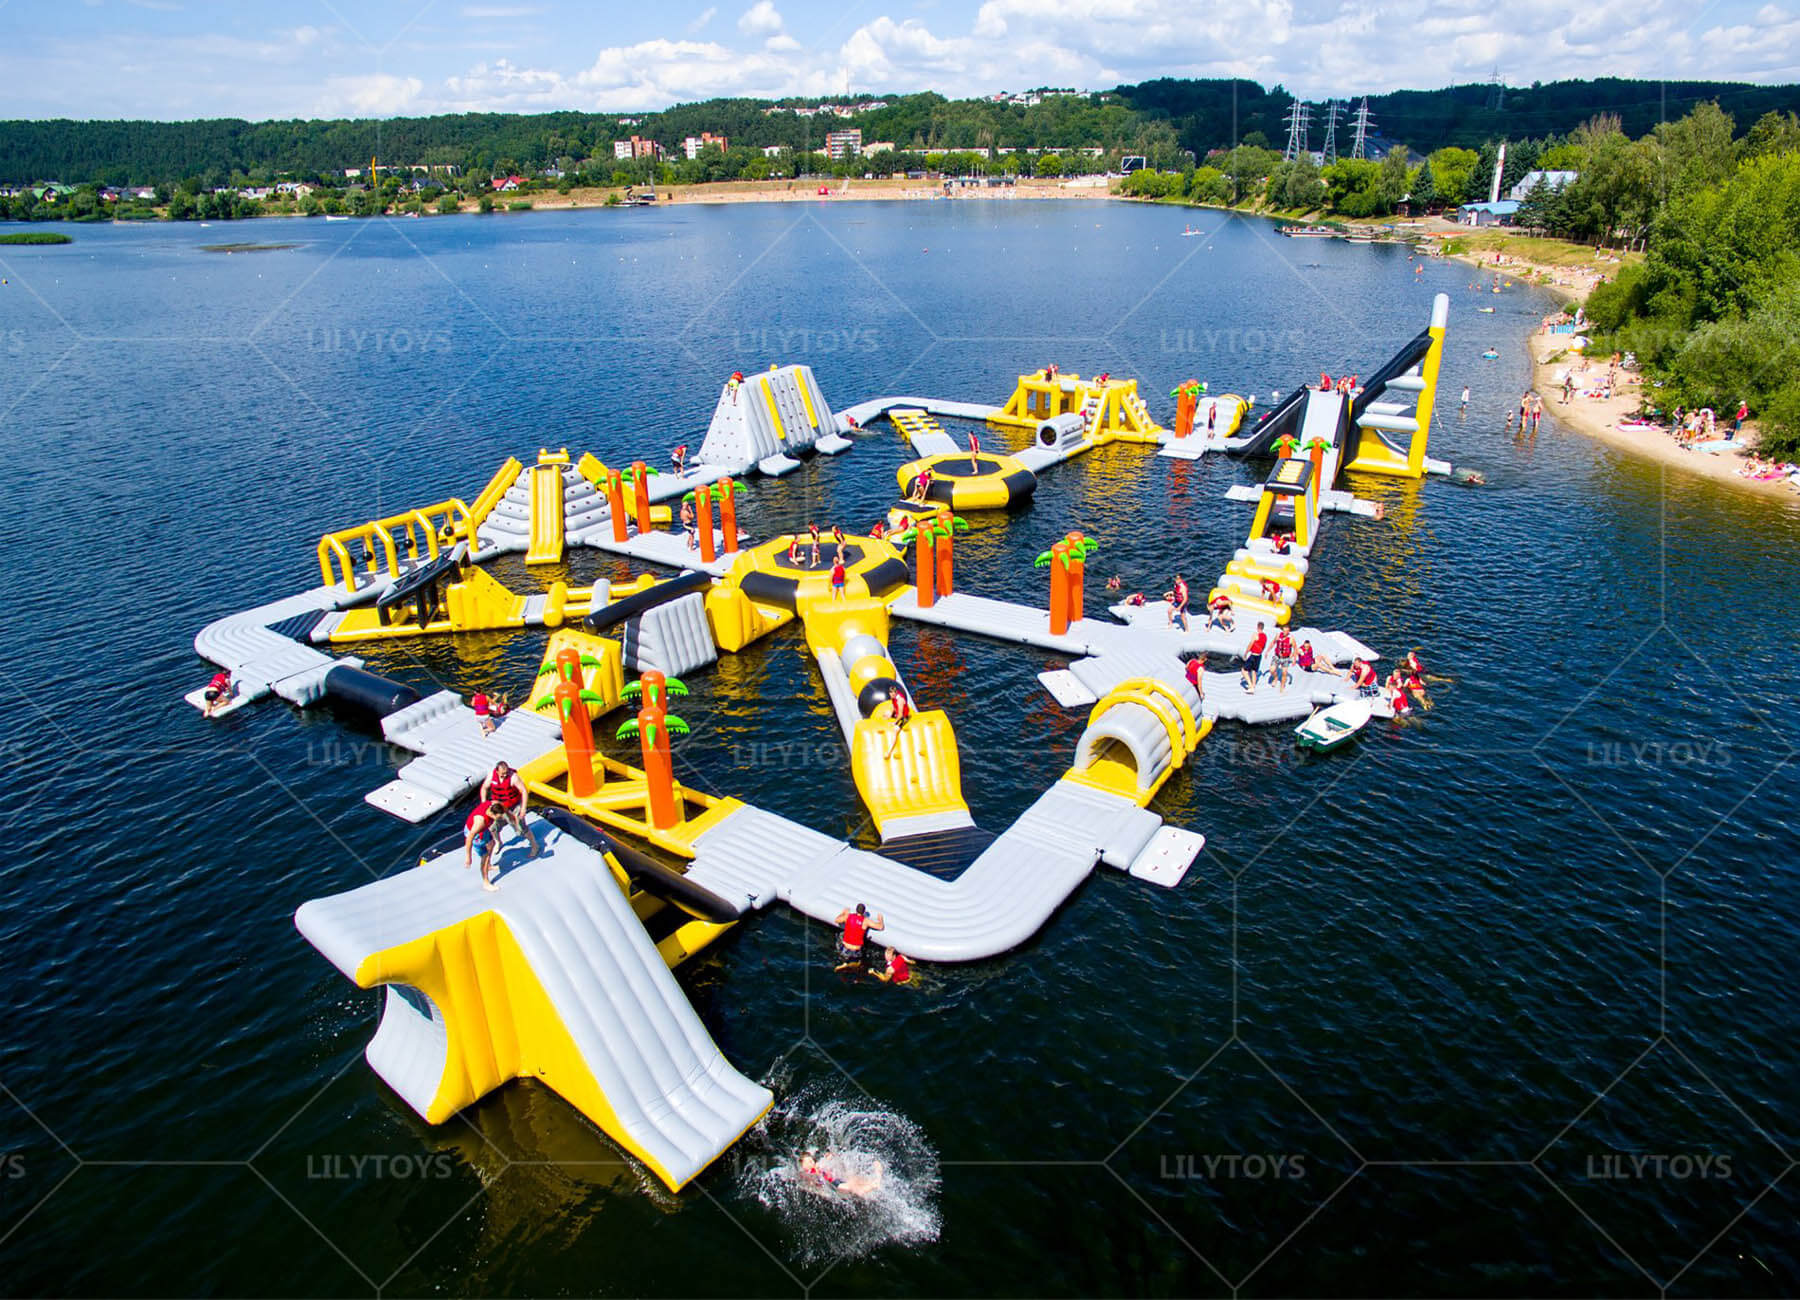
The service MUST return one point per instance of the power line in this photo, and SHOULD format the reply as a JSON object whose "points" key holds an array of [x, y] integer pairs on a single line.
{"points": [[1332, 111]]}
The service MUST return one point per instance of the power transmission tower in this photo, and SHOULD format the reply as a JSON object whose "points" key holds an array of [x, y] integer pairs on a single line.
{"points": [[1297, 133], [1359, 142], [1332, 110]]}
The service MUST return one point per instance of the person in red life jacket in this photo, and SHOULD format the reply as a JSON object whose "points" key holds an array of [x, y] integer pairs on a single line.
{"points": [[1324, 382], [678, 458], [839, 588], [837, 537], [1271, 590], [505, 790], [899, 970], [1315, 661], [813, 532], [688, 525], [1412, 663], [1362, 675], [793, 555], [1178, 603], [484, 711], [1195, 667], [1253, 653], [1219, 613], [921, 488], [1396, 693], [1414, 686], [1284, 659], [974, 452], [821, 1172], [878, 530], [731, 385], [902, 708], [853, 942], [218, 693], [481, 834], [1281, 542]]}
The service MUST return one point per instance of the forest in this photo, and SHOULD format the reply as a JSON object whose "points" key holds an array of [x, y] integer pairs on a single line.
{"points": [[1164, 120]]}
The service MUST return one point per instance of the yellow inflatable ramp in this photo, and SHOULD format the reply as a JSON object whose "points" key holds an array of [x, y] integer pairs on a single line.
{"points": [[909, 777], [551, 978], [546, 515]]}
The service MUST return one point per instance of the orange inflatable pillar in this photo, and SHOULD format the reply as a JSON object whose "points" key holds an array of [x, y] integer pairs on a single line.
{"points": [[925, 561], [946, 568], [1073, 599], [704, 522], [640, 486], [1185, 402], [568, 668], [728, 514], [654, 685], [659, 767], [578, 739], [1059, 589], [615, 501]]}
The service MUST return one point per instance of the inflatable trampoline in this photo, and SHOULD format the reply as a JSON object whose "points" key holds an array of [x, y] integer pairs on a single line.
{"points": [[963, 482]]}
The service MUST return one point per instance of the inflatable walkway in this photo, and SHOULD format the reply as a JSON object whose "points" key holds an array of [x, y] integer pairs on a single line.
{"points": [[552, 978]]}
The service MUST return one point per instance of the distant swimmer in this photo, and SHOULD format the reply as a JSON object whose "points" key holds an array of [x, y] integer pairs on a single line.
{"points": [[857, 925], [898, 970], [219, 692], [821, 1172]]}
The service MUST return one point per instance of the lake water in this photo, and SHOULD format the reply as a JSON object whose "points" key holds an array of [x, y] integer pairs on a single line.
{"points": [[1500, 1002]]}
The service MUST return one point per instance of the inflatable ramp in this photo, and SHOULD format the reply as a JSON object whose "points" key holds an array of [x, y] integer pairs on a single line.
{"points": [[546, 545], [551, 978], [769, 417]]}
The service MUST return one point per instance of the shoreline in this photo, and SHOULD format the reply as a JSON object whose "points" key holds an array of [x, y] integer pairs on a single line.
{"points": [[1599, 420]]}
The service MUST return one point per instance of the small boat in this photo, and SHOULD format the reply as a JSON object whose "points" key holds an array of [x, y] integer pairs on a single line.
{"points": [[1309, 232], [1488, 310], [1188, 232], [1331, 727], [329, 217], [1360, 239], [1490, 355]]}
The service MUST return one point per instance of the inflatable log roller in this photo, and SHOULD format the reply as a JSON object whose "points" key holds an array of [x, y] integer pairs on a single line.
{"points": [[963, 482]]}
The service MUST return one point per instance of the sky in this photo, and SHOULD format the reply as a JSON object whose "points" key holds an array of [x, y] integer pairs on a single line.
{"points": [[172, 59]]}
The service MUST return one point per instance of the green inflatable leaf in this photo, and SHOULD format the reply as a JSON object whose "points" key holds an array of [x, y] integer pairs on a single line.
{"points": [[627, 730], [631, 690], [593, 697], [676, 726]]}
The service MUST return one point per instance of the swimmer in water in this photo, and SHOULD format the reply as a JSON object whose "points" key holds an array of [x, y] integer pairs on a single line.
{"points": [[819, 1171]]}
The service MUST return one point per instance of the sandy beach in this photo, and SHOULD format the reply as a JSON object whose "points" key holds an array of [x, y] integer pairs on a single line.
{"points": [[790, 191], [1600, 419]]}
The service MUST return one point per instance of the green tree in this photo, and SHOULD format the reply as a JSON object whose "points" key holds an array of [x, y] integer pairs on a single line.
{"points": [[1452, 170], [1048, 165], [448, 203]]}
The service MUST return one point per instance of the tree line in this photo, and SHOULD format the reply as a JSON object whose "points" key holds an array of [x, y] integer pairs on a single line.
{"points": [[1163, 120]]}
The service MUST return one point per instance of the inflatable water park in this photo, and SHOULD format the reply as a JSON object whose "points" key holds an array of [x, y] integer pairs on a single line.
{"points": [[602, 872]]}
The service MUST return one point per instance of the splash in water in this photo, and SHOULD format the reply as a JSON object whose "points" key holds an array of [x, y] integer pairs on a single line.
{"points": [[879, 1179]]}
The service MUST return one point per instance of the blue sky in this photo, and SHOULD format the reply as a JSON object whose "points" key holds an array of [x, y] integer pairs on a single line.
{"points": [[331, 58]]}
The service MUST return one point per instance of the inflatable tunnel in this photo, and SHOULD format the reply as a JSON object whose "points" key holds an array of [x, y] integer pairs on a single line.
{"points": [[1137, 735]]}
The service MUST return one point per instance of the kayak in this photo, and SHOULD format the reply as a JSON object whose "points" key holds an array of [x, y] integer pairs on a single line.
{"points": [[1331, 727]]}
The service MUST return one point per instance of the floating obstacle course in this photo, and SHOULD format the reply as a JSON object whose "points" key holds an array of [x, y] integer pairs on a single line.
{"points": [[581, 939]]}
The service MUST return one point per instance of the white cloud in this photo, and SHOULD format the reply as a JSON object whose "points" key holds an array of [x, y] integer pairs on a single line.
{"points": [[760, 19], [701, 20], [377, 94], [780, 43]]}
